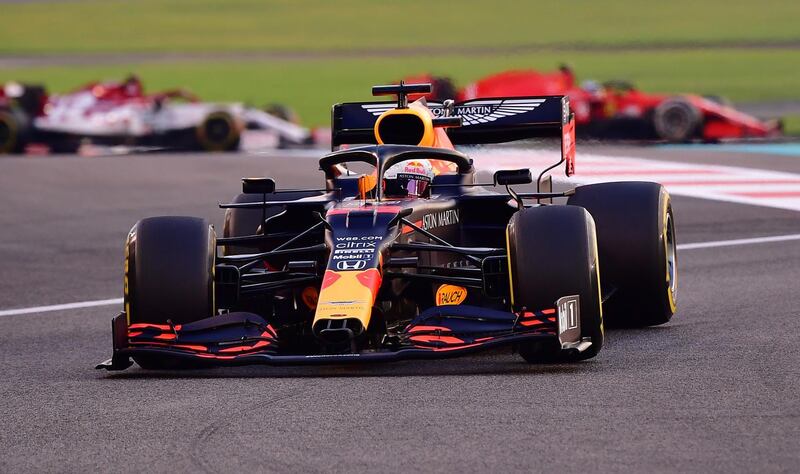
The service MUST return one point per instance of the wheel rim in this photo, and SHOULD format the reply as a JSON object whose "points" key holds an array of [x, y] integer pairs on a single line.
{"points": [[676, 121], [218, 130], [672, 268]]}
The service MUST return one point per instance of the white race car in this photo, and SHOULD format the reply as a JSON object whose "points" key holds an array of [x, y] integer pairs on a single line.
{"points": [[120, 113]]}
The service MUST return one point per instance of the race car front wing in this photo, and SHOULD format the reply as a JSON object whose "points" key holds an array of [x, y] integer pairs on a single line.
{"points": [[235, 339]]}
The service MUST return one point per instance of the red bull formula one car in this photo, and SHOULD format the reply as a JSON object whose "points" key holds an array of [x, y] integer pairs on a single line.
{"points": [[617, 109], [121, 113], [402, 254]]}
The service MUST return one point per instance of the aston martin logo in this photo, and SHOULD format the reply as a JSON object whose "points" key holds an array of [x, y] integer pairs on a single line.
{"points": [[378, 109], [473, 112]]}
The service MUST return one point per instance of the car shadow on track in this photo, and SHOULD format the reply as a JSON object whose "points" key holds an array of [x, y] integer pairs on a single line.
{"points": [[399, 369], [495, 362]]}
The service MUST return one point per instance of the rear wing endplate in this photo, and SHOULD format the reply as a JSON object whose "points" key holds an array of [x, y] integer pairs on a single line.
{"points": [[495, 120]]}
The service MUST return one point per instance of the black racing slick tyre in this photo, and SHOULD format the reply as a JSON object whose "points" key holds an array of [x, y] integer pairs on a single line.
{"points": [[443, 89], [676, 120], [243, 222], [552, 253], [219, 131], [169, 275], [637, 245], [282, 112], [169, 270]]}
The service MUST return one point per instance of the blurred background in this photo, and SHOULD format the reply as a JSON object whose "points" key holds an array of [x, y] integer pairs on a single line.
{"points": [[311, 54]]}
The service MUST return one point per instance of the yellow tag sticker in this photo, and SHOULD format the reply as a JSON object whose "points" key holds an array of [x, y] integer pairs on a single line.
{"points": [[450, 295]]}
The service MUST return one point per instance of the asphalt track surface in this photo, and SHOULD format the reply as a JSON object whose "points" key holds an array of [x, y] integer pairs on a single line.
{"points": [[714, 390]]}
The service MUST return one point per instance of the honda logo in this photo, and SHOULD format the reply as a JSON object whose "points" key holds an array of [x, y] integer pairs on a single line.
{"points": [[351, 264]]}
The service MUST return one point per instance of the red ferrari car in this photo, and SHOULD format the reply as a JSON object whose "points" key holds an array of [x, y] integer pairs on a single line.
{"points": [[616, 109]]}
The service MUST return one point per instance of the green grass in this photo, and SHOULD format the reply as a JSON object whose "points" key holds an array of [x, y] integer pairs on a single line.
{"points": [[111, 26], [791, 125], [319, 26], [312, 86]]}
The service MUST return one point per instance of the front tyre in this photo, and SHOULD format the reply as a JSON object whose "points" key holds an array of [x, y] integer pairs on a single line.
{"points": [[170, 270], [169, 274], [552, 253]]}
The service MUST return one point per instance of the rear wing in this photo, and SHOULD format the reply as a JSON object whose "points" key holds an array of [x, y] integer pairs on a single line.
{"points": [[495, 120]]}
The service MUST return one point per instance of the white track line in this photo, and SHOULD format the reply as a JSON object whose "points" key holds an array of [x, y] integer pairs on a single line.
{"points": [[59, 307], [728, 243], [750, 186], [115, 301]]}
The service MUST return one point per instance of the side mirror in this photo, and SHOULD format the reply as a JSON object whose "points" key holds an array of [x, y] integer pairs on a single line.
{"points": [[507, 177], [258, 185]]}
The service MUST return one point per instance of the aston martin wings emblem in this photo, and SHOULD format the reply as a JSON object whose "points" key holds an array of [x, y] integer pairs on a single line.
{"points": [[473, 112], [378, 109]]}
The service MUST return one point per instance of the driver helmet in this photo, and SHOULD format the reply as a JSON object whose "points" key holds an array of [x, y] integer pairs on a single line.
{"points": [[592, 87], [410, 178], [132, 86]]}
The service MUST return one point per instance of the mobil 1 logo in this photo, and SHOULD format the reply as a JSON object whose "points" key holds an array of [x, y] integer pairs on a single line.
{"points": [[353, 252]]}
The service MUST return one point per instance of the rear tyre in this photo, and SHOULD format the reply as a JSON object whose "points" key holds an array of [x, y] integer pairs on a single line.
{"points": [[282, 112], [443, 89], [676, 120], [169, 274], [637, 245], [219, 131], [242, 222], [553, 253], [719, 100]]}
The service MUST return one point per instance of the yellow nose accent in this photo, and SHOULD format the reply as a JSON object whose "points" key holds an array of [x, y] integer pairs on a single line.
{"points": [[350, 294]]}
